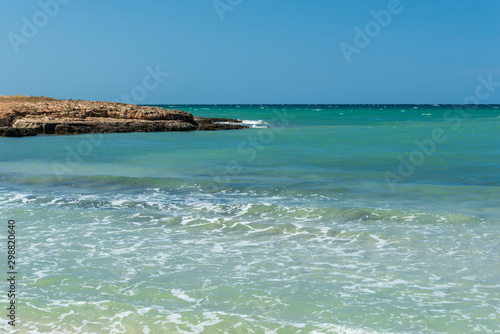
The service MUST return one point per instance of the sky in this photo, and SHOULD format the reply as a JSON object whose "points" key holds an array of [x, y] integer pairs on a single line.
{"points": [[252, 51]]}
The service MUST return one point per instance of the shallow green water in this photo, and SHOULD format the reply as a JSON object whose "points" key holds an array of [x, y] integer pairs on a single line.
{"points": [[319, 219]]}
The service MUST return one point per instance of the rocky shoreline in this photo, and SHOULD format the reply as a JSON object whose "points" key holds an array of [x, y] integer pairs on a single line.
{"points": [[29, 116]]}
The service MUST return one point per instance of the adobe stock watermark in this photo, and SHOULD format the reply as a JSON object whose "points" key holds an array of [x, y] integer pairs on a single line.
{"points": [[31, 27], [454, 118], [363, 37], [75, 155], [152, 80], [223, 6], [86, 146], [249, 149]]}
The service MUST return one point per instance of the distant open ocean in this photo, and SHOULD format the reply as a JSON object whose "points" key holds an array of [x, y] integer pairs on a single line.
{"points": [[318, 219]]}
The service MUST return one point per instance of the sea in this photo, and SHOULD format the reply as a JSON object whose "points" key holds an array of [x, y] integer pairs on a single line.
{"points": [[353, 219]]}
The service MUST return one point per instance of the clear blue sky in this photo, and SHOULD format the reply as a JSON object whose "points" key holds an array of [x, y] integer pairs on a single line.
{"points": [[264, 51]]}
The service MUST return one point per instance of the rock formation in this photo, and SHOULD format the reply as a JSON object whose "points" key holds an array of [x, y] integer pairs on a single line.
{"points": [[28, 116]]}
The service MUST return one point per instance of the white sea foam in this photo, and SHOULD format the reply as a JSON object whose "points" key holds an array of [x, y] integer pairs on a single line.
{"points": [[256, 124], [119, 202], [381, 242], [182, 295], [338, 329], [245, 240], [252, 124], [218, 248]]}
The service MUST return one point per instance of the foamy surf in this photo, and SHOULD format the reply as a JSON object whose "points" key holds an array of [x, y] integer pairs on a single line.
{"points": [[250, 123], [256, 124]]}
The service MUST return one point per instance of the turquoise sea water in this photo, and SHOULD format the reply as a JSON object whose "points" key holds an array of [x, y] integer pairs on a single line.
{"points": [[318, 219]]}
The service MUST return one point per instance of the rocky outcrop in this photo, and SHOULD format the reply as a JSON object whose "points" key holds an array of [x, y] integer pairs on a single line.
{"points": [[7, 118], [48, 126], [213, 124], [6, 131], [27, 116]]}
